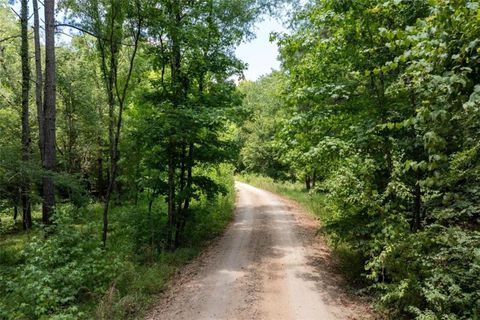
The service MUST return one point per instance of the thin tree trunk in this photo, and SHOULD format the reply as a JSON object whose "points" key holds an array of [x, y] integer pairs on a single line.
{"points": [[176, 81], [150, 205], [114, 135], [171, 193], [181, 201], [100, 183], [26, 207], [100, 161], [417, 202], [190, 162], [39, 80], [308, 182], [15, 213], [49, 112], [39, 86], [71, 133], [137, 187], [384, 118], [108, 75], [314, 178]]}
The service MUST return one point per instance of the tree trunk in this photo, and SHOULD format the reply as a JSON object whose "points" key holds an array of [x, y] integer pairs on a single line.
{"points": [[378, 88], [171, 194], [15, 213], [49, 112], [100, 183], [39, 86], [116, 94], [308, 184], [186, 206], [417, 202], [39, 80], [26, 207], [181, 201], [314, 178], [72, 134], [176, 82], [387, 146]]}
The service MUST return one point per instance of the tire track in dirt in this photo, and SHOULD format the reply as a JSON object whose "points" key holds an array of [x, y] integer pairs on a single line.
{"points": [[269, 264]]}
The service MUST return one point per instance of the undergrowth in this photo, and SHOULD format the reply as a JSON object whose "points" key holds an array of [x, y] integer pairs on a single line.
{"points": [[65, 273]]}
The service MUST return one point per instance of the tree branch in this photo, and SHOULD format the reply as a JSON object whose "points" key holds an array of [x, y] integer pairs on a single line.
{"points": [[91, 33], [77, 28], [16, 13], [9, 38]]}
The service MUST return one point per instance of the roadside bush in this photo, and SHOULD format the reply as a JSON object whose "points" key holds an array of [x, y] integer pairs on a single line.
{"points": [[432, 273], [60, 268], [441, 278]]}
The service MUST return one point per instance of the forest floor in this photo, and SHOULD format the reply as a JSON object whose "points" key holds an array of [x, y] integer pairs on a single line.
{"points": [[270, 264]]}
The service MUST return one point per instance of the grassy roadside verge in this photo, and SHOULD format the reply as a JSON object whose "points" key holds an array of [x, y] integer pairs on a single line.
{"points": [[313, 202]]}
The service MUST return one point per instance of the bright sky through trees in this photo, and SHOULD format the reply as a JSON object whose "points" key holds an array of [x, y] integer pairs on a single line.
{"points": [[260, 53]]}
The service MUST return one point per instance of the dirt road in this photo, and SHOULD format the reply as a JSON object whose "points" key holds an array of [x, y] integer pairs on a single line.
{"points": [[268, 265]]}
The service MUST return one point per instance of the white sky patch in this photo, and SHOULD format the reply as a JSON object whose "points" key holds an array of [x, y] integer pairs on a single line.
{"points": [[260, 54]]}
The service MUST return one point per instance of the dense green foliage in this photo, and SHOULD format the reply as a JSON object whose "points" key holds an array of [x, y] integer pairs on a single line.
{"points": [[69, 276], [146, 106], [260, 152], [379, 112], [375, 112]]}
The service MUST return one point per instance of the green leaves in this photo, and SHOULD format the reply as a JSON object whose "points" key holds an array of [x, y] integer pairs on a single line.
{"points": [[380, 101], [58, 270]]}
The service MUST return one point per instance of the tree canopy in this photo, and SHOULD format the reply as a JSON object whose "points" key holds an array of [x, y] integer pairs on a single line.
{"points": [[122, 124]]}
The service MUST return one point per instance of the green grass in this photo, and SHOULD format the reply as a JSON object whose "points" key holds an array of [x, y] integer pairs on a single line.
{"points": [[137, 286], [11, 247]]}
